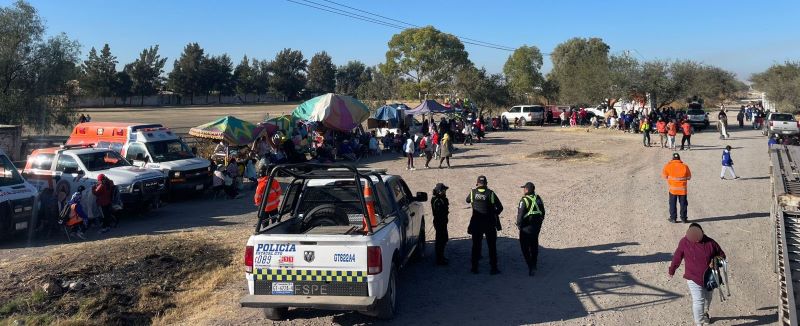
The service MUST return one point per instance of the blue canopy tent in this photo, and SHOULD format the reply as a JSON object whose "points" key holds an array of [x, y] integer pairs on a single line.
{"points": [[388, 113], [429, 106]]}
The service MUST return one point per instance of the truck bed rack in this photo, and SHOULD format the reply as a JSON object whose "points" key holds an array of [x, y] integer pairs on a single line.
{"points": [[785, 215]]}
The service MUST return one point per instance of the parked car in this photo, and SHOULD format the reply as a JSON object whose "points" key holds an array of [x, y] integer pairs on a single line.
{"points": [[533, 114], [17, 199], [553, 112], [149, 145], [342, 237], [781, 124], [70, 166], [696, 116]]}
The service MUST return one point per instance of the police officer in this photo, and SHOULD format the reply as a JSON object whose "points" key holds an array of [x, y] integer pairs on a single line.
{"points": [[440, 206], [486, 208], [530, 215]]}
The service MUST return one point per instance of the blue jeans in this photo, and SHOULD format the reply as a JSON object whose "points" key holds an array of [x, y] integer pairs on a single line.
{"points": [[701, 301], [673, 201]]}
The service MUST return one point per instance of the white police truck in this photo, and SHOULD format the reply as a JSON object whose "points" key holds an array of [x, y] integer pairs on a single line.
{"points": [[17, 199], [337, 242]]}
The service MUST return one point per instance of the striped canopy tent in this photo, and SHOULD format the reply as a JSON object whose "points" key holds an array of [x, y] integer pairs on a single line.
{"points": [[339, 112], [229, 129], [285, 123]]}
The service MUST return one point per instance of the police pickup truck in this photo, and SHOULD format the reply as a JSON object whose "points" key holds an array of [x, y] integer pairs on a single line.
{"points": [[340, 238], [17, 199]]}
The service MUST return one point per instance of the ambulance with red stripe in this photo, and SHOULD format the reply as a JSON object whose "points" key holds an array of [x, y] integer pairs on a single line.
{"points": [[152, 146], [337, 241]]}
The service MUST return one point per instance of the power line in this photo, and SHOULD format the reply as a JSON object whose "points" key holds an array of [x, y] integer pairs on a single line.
{"points": [[319, 6], [414, 25]]}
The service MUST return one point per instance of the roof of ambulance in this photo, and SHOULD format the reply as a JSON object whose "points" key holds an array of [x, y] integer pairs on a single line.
{"points": [[111, 124]]}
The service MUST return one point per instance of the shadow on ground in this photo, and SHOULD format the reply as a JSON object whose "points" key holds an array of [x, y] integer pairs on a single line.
{"points": [[570, 283], [733, 217]]}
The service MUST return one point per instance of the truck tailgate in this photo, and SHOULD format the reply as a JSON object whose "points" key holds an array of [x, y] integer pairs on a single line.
{"points": [[325, 265], [784, 125]]}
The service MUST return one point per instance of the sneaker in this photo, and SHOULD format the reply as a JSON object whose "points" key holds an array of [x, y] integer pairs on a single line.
{"points": [[671, 220], [413, 169], [736, 178], [532, 271], [685, 220], [722, 178]]}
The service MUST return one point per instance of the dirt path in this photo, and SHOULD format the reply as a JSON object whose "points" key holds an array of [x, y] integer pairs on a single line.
{"points": [[606, 243]]}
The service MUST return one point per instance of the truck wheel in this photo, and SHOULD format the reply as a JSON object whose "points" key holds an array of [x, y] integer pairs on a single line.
{"points": [[325, 215], [419, 252], [386, 307], [276, 313]]}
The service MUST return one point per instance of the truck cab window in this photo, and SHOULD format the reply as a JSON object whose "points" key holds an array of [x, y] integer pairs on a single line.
{"points": [[66, 161], [42, 162], [136, 152]]}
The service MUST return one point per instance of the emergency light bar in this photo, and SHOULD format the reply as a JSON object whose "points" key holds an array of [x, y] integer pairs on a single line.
{"points": [[88, 145]]}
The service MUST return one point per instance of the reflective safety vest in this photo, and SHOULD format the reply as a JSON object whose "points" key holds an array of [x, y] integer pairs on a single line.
{"points": [[677, 174], [532, 205], [274, 196]]}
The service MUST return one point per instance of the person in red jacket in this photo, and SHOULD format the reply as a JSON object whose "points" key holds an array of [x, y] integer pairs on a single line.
{"points": [[104, 190], [273, 198], [697, 250]]}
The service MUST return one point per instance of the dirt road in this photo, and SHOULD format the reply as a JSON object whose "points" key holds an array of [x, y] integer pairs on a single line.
{"points": [[606, 244]]}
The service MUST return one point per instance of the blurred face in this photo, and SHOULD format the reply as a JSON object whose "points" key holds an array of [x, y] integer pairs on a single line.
{"points": [[694, 234]]}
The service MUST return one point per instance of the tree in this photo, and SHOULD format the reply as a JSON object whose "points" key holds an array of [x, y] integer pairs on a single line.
{"points": [[146, 73], [217, 75], [244, 77], [186, 77], [488, 92], [37, 76], [781, 83], [624, 76], [375, 88], [123, 86], [425, 56], [100, 73], [522, 70], [350, 77], [288, 73], [321, 74], [581, 68], [261, 76], [550, 90]]}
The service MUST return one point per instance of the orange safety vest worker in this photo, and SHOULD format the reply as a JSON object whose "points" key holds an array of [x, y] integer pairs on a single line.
{"points": [[274, 197], [369, 200], [687, 129], [678, 175], [673, 129], [661, 126]]}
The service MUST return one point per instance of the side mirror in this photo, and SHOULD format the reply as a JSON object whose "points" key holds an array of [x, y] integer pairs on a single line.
{"points": [[80, 172], [421, 196]]}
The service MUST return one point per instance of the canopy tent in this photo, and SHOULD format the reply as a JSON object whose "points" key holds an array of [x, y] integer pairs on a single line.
{"points": [[388, 113], [229, 129], [429, 106], [339, 112], [285, 123]]}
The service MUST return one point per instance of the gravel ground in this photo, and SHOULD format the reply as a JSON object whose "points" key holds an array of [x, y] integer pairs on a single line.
{"points": [[606, 244]]}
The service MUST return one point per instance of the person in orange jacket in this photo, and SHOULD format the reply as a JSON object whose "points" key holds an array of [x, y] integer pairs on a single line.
{"points": [[677, 175], [273, 198], [687, 131], [672, 130], [661, 127]]}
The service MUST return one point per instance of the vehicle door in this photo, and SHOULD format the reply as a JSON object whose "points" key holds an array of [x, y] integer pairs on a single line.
{"points": [[405, 214], [515, 112], [69, 175]]}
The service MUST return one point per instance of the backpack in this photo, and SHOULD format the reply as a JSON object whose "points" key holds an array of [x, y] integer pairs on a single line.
{"points": [[423, 143]]}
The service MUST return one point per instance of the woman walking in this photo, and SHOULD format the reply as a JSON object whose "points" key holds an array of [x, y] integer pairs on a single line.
{"points": [[446, 150], [697, 250]]}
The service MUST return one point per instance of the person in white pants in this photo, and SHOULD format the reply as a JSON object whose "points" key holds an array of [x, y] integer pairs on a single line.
{"points": [[727, 163]]}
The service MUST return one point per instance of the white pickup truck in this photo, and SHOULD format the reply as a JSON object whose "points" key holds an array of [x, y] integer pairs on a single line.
{"points": [[781, 124], [17, 199], [323, 253]]}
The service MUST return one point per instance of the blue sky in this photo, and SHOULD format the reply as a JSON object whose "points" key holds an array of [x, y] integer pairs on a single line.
{"points": [[741, 36]]}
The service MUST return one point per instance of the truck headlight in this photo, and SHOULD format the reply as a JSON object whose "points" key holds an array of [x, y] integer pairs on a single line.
{"points": [[176, 174], [125, 188]]}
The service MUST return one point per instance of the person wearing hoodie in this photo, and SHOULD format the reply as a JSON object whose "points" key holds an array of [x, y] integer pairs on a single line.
{"points": [[76, 215], [440, 206], [727, 163], [104, 190], [697, 251]]}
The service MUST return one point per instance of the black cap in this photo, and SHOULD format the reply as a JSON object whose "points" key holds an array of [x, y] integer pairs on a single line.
{"points": [[482, 180], [528, 186], [676, 156], [440, 187]]}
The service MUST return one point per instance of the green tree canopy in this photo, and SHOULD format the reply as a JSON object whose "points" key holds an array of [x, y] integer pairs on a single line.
{"points": [[624, 79], [425, 56], [349, 77], [146, 72], [375, 88], [781, 83], [100, 73], [34, 69], [288, 73], [244, 77], [487, 91], [187, 77], [321, 74], [581, 68], [217, 75], [523, 72]]}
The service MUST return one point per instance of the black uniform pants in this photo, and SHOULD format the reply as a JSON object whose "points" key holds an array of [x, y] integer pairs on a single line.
{"points": [[491, 242], [673, 201], [529, 241], [441, 237], [686, 139]]}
